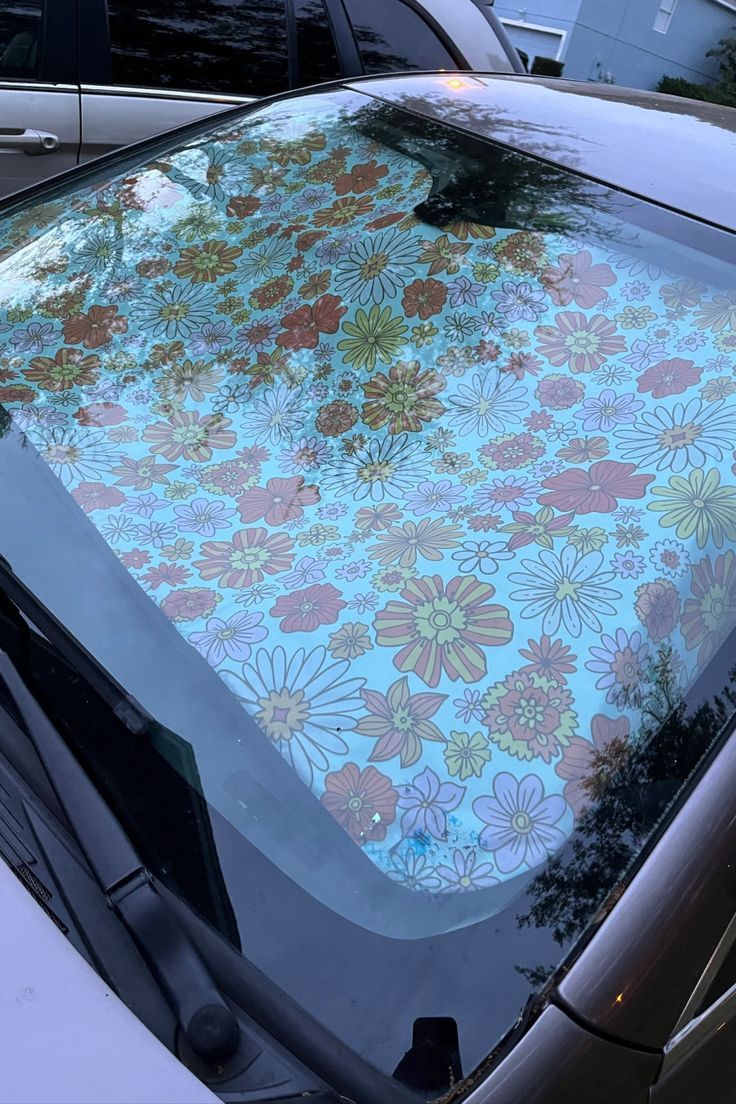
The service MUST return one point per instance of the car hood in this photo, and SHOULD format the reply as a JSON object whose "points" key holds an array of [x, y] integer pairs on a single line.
{"points": [[677, 152]]}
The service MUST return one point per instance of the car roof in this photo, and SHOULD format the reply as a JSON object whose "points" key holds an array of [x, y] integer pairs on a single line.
{"points": [[677, 152]]}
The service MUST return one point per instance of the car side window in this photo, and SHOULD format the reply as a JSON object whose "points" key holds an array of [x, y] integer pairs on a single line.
{"points": [[226, 46], [393, 36], [20, 38], [317, 56]]}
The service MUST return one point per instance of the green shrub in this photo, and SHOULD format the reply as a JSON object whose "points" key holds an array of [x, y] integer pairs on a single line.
{"points": [[678, 86], [726, 51]]}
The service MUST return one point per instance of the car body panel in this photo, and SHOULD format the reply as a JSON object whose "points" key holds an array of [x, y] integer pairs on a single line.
{"points": [[53, 109], [636, 975], [38, 91], [66, 1036], [114, 117], [705, 1073], [558, 1062], [676, 152]]}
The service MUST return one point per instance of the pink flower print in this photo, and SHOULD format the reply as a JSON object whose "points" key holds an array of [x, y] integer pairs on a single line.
{"points": [[399, 720], [279, 501], [658, 608], [190, 603], [97, 496], [165, 574], [246, 559], [582, 343], [579, 765], [595, 490], [305, 610], [362, 801], [559, 392], [442, 627], [669, 377], [576, 278], [187, 435]]}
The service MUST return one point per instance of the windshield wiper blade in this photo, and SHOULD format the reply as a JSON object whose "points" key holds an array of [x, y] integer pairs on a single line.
{"points": [[125, 707], [209, 1025]]}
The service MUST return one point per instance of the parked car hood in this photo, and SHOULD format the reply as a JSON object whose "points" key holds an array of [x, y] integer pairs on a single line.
{"points": [[677, 152]]}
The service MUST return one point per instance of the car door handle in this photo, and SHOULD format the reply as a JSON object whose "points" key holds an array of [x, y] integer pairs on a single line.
{"points": [[32, 142]]}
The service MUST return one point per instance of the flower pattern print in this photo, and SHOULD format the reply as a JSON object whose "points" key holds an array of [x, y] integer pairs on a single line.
{"points": [[362, 801], [521, 823], [433, 502], [400, 721], [441, 630], [302, 701]]}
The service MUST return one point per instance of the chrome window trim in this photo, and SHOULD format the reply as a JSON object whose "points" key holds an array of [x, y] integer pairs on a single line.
{"points": [[8, 84], [704, 982], [164, 94], [698, 1030]]}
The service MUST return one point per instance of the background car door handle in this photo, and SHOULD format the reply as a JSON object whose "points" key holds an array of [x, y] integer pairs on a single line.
{"points": [[33, 142]]}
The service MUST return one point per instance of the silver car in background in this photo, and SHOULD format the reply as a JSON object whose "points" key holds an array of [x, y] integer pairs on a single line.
{"points": [[80, 79]]}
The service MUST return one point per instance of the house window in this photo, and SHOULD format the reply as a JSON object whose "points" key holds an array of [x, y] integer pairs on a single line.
{"points": [[664, 15]]}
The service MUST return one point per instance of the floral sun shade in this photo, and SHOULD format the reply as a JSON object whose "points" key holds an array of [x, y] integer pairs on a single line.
{"points": [[440, 506]]}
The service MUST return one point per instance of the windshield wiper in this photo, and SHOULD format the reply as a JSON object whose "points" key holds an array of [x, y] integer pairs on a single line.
{"points": [[210, 1027], [127, 710]]}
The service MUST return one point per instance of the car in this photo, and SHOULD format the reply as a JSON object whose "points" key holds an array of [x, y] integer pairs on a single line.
{"points": [[368, 589], [86, 1056], [78, 80]]}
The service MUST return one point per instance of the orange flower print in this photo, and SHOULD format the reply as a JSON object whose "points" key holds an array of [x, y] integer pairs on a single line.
{"points": [[69, 368], [204, 263], [361, 178], [95, 328], [362, 801], [424, 298], [403, 399], [343, 211]]}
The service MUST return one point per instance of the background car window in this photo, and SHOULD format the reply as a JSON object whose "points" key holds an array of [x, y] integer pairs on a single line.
{"points": [[231, 46], [20, 38], [316, 47], [391, 36]]}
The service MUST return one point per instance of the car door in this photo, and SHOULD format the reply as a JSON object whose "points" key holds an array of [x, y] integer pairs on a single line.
{"points": [[146, 69], [39, 96]]}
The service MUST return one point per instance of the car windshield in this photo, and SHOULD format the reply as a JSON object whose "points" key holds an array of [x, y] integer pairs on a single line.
{"points": [[393, 471]]}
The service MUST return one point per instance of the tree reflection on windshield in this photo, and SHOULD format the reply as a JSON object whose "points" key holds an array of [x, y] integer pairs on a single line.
{"points": [[624, 788], [477, 181]]}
